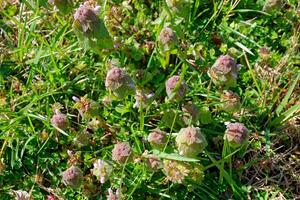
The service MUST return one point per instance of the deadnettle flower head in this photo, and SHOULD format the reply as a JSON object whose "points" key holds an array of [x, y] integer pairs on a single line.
{"points": [[175, 89], [224, 71], [122, 152], [86, 15], [231, 101], [191, 111], [175, 171], [168, 39], [119, 83], [86, 107], [59, 120], [114, 196], [190, 141], [90, 29], [73, 177], [179, 172], [21, 195], [64, 6], [236, 134], [154, 163], [101, 170], [157, 139]]}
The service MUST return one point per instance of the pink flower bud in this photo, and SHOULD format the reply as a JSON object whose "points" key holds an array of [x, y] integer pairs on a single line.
{"points": [[190, 141], [168, 39], [224, 71], [157, 139], [173, 85], [73, 177], [59, 120], [236, 134], [122, 152], [119, 83]]}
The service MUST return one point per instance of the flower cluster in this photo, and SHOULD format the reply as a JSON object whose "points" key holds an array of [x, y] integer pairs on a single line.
{"points": [[90, 29], [179, 172], [224, 71], [157, 139], [101, 170], [176, 88], [236, 134], [73, 177], [190, 141], [168, 39], [122, 152], [119, 83], [59, 120]]}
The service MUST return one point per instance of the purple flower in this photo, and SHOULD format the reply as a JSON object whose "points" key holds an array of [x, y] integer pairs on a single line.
{"points": [[86, 15], [175, 89], [168, 39], [122, 152], [73, 177], [224, 71], [157, 139], [236, 134], [119, 83], [59, 120]]}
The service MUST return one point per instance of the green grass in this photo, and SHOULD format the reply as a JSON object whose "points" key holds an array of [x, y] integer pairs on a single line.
{"points": [[43, 64]]}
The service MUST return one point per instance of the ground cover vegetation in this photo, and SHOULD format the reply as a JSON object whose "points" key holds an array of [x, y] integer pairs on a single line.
{"points": [[150, 99]]}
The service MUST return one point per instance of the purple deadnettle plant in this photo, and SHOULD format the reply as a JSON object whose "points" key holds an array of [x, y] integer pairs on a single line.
{"points": [[231, 101], [175, 88], [119, 83], [122, 152], [90, 29], [236, 134], [73, 177], [167, 39], [59, 120], [157, 139], [224, 72], [190, 141]]}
